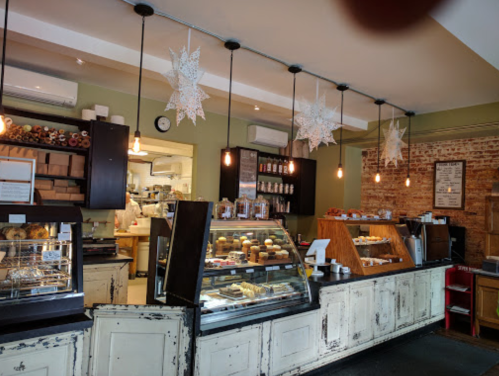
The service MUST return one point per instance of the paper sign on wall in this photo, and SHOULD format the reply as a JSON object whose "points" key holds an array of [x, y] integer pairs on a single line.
{"points": [[15, 192]]}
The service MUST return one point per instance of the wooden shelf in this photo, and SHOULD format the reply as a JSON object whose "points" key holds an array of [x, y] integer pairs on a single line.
{"points": [[84, 124], [460, 292], [62, 202], [37, 145], [361, 222], [272, 194], [273, 175], [58, 177]]}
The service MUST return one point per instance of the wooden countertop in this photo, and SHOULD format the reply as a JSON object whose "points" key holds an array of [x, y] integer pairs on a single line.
{"points": [[129, 234]]}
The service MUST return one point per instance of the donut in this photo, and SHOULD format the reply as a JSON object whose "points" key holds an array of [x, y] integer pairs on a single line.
{"points": [[36, 232], [73, 142], [85, 143], [15, 233]]}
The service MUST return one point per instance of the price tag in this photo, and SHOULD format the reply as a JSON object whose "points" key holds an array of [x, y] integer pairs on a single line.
{"points": [[344, 216], [65, 227], [364, 217], [17, 218], [376, 217], [242, 216], [51, 255], [354, 215], [233, 272], [259, 215], [276, 267], [288, 267], [250, 271], [268, 268]]}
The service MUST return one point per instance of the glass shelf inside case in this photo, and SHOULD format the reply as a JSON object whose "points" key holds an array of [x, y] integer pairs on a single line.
{"points": [[32, 262], [250, 267]]}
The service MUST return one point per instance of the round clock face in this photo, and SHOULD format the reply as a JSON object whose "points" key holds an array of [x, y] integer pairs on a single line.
{"points": [[162, 123]]}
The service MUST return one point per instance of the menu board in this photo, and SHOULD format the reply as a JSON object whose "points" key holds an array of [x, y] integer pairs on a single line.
{"points": [[449, 185], [248, 168], [15, 192]]}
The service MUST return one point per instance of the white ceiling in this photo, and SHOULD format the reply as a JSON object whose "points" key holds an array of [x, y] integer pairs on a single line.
{"points": [[425, 69]]}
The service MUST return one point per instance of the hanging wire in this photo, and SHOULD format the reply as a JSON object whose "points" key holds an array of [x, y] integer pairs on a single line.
{"points": [[140, 73], [219, 37], [3, 51], [230, 96], [379, 131], [341, 122], [293, 117]]}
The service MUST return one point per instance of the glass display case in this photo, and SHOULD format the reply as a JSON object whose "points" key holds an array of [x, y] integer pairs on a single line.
{"points": [[365, 246], [40, 262], [226, 268], [250, 266]]}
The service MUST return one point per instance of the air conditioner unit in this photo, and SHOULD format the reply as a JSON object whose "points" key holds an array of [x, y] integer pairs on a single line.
{"points": [[38, 87], [267, 136], [162, 166]]}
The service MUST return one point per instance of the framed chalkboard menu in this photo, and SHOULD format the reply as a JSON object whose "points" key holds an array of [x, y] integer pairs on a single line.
{"points": [[449, 185], [248, 166]]}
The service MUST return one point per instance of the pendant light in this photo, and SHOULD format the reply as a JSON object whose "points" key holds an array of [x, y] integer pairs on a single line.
{"points": [[293, 69], [341, 88], [144, 11], [409, 114], [379, 103], [3, 127], [232, 46]]}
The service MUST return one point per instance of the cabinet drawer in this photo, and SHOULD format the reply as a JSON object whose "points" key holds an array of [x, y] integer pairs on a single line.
{"points": [[487, 304], [488, 282], [334, 319], [52, 362]]}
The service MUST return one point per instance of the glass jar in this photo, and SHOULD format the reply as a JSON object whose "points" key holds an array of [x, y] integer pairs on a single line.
{"points": [[261, 208], [243, 207], [224, 209]]}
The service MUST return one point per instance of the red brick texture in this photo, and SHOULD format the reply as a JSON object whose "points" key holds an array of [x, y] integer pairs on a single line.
{"points": [[482, 163]]}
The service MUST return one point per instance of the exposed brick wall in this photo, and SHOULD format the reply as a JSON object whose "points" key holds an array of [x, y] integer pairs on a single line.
{"points": [[482, 162]]}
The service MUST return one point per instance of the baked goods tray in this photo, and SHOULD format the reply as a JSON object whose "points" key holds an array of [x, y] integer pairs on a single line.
{"points": [[233, 297], [246, 301], [40, 242], [372, 243], [32, 260]]}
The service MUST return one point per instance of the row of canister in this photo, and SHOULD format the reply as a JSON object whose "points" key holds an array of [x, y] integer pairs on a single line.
{"points": [[280, 188], [244, 208]]}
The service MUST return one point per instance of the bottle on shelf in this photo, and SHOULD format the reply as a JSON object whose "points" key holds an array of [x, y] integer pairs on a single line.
{"points": [[286, 189], [281, 188], [291, 189], [260, 169], [269, 165], [274, 166], [285, 167], [279, 167]]}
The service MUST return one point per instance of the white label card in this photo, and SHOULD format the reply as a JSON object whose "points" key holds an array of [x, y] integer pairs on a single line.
{"points": [[65, 227], [364, 217], [63, 236], [276, 267], [17, 218], [344, 216], [15, 192], [288, 266], [250, 271], [268, 268], [54, 255], [233, 272], [376, 217]]}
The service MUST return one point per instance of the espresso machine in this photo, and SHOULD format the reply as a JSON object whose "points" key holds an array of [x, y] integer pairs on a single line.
{"points": [[436, 242]]}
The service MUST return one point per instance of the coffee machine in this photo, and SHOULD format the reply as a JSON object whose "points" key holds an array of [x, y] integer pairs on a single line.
{"points": [[436, 242], [413, 241]]}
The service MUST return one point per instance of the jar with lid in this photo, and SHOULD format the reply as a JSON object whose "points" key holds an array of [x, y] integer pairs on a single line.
{"points": [[281, 188], [224, 209], [286, 189], [276, 187], [261, 208], [269, 187], [244, 207]]}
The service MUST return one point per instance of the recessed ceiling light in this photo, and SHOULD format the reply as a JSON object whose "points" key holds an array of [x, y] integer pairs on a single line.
{"points": [[131, 152], [257, 108], [79, 61], [37, 87]]}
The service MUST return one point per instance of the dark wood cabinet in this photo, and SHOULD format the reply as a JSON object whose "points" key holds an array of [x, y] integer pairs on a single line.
{"points": [[107, 166], [304, 180]]}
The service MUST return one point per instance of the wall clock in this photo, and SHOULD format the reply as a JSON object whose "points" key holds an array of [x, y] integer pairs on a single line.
{"points": [[162, 124]]}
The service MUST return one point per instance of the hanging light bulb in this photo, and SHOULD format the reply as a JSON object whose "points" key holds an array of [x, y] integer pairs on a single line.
{"points": [[449, 189], [227, 158], [3, 127], [291, 167], [340, 171], [341, 88], [136, 144], [407, 182], [379, 103]]}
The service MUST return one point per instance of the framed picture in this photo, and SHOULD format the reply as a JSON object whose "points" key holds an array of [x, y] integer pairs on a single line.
{"points": [[449, 184]]}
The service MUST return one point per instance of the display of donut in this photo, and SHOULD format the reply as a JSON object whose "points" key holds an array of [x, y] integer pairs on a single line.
{"points": [[36, 232]]}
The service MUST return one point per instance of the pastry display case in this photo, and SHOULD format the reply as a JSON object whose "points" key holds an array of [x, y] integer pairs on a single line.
{"points": [[228, 269], [40, 263], [366, 246]]}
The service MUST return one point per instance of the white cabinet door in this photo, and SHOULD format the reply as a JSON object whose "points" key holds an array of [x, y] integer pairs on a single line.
{"points": [[105, 284], [140, 340], [294, 341], [384, 306], [437, 301], [360, 313], [405, 300], [421, 296], [334, 332], [234, 353], [59, 355]]}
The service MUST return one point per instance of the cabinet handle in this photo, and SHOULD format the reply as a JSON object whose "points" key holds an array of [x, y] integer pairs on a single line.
{"points": [[21, 367]]}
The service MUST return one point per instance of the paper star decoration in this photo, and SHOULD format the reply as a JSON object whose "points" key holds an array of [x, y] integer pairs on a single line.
{"points": [[184, 78], [316, 123], [392, 147]]}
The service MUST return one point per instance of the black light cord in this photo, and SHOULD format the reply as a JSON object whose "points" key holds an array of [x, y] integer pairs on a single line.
{"points": [[341, 128], [3, 52], [292, 118], [409, 149], [137, 132], [230, 96], [379, 131]]}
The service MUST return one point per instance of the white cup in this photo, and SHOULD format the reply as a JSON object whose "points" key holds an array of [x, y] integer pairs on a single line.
{"points": [[118, 119], [345, 270], [335, 268], [88, 114]]}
